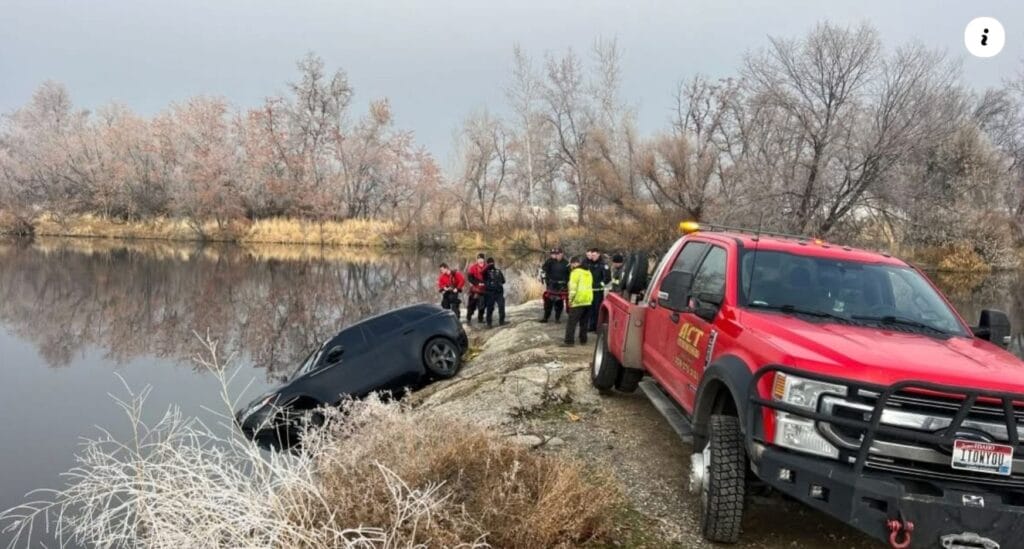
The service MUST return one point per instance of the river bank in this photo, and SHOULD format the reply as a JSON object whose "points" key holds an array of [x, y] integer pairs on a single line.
{"points": [[521, 383], [350, 233]]}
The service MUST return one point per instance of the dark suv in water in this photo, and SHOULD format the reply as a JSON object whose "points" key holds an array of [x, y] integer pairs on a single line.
{"points": [[388, 353]]}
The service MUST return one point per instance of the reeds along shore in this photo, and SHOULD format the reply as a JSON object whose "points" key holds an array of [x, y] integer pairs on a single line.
{"points": [[350, 233]]}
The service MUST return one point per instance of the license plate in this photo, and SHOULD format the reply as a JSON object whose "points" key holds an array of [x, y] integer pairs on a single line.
{"points": [[982, 457]]}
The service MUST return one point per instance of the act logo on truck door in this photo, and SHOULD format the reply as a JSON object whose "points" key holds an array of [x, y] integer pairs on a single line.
{"points": [[688, 340]]}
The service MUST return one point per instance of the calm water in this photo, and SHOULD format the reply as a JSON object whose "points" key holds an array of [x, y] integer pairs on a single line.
{"points": [[76, 314]]}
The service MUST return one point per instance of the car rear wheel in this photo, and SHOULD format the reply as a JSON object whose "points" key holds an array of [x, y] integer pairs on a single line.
{"points": [[720, 472], [604, 368], [442, 358]]}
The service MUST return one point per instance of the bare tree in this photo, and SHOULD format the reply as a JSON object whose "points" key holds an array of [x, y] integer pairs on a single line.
{"points": [[485, 166], [570, 115]]}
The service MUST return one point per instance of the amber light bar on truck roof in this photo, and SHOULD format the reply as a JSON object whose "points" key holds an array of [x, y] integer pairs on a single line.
{"points": [[687, 227]]}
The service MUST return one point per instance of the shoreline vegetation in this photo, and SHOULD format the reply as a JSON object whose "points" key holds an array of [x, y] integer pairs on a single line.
{"points": [[289, 238], [350, 233]]}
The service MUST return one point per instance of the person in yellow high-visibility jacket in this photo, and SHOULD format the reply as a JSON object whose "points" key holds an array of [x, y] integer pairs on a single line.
{"points": [[581, 295]]}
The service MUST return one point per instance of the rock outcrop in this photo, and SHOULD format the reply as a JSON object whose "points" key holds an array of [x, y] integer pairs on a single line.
{"points": [[514, 370]]}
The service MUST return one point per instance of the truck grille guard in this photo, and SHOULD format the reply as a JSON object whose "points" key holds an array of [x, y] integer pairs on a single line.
{"points": [[907, 428]]}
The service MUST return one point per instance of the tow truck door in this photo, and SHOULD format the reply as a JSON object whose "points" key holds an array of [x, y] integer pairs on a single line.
{"points": [[696, 333], [661, 327]]}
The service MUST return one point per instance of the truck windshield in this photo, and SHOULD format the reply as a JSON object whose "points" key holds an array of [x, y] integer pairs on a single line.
{"points": [[826, 289]]}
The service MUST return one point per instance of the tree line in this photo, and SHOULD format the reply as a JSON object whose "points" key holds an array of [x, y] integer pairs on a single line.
{"points": [[828, 133]]}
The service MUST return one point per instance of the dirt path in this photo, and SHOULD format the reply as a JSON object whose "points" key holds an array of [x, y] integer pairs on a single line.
{"points": [[529, 386]]}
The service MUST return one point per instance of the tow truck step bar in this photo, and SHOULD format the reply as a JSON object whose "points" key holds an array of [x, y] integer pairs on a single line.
{"points": [[668, 409]]}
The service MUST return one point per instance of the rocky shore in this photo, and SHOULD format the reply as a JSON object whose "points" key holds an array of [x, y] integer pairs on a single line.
{"points": [[518, 380]]}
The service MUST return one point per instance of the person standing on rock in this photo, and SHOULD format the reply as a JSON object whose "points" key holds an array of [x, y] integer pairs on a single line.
{"points": [[602, 276], [581, 295], [450, 284], [494, 292], [475, 277], [555, 275]]}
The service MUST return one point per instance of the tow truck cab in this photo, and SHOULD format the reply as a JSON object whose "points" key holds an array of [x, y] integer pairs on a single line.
{"points": [[840, 377]]}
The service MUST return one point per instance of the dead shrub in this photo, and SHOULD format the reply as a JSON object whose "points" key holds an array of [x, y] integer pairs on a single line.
{"points": [[960, 256], [491, 490]]}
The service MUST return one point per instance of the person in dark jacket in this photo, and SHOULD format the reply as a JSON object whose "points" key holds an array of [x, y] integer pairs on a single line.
{"points": [[450, 284], [602, 276], [555, 275], [494, 292], [617, 272], [475, 278]]}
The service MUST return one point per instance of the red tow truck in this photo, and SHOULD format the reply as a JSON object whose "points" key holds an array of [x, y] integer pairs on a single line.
{"points": [[837, 376]]}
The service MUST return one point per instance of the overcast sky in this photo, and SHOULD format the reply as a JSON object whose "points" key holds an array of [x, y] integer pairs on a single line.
{"points": [[435, 59]]}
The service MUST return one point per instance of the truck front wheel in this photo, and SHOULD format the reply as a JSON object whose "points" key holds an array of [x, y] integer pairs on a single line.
{"points": [[721, 479], [605, 368]]}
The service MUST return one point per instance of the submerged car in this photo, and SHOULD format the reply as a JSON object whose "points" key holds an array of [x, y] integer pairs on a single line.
{"points": [[389, 353]]}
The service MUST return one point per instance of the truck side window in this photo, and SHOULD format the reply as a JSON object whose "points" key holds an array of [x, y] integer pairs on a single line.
{"points": [[688, 259], [710, 279]]}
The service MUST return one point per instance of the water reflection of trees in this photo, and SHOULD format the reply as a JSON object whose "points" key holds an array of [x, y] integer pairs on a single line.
{"points": [[133, 300]]}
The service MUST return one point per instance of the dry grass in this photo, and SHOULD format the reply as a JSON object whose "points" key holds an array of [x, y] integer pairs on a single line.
{"points": [[375, 476], [487, 489], [523, 287], [160, 228], [351, 232]]}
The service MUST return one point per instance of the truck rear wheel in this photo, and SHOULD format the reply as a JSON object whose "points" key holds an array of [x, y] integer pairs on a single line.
{"points": [[723, 481], [604, 368], [629, 379]]}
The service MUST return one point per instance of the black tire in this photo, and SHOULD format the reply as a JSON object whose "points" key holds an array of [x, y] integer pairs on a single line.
{"points": [[604, 367], [723, 489], [627, 267], [638, 273], [629, 380], [442, 358]]}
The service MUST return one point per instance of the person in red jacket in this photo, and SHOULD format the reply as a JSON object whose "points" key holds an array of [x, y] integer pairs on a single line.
{"points": [[475, 277], [450, 284]]}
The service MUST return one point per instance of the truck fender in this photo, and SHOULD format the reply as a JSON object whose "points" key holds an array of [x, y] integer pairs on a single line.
{"points": [[723, 390]]}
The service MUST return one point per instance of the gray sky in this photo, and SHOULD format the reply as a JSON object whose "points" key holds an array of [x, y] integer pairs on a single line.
{"points": [[435, 59]]}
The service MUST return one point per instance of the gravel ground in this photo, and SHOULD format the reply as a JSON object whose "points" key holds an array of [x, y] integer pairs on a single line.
{"points": [[626, 434]]}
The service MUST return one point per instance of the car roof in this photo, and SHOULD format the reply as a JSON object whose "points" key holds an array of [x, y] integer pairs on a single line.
{"points": [[425, 310], [801, 246]]}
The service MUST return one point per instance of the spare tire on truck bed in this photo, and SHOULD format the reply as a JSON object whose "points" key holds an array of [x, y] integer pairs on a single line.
{"points": [[634, 278]]}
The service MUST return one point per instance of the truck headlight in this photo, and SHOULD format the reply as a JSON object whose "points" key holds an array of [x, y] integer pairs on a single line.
{"points": [[795, 432]]}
